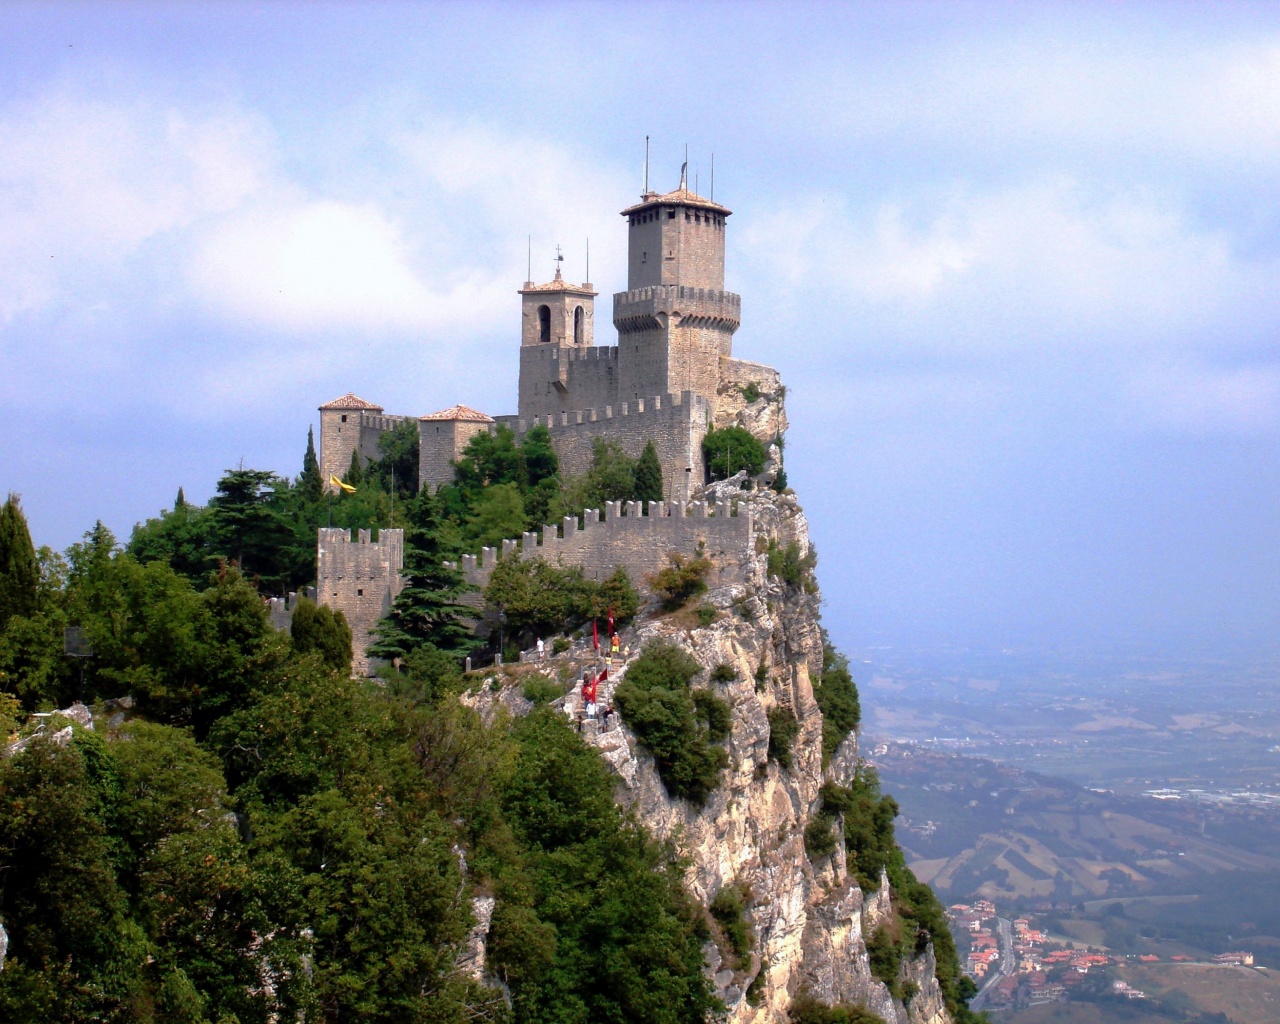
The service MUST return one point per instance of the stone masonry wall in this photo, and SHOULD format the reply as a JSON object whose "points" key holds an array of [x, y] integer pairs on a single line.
{"points": [[440, 443], [347, 430], [359, 579], [555, 379], [676, 427], [625, 536]]}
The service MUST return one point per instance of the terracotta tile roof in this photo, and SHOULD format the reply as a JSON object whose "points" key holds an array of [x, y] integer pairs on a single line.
{"points": [[460, 412], [558, 285], [350, 401], [680, 197]]}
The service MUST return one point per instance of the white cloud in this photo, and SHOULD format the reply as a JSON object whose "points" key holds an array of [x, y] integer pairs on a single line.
{"points": [[325, 266], [1072, 89], [86, 183], [981, 270]]}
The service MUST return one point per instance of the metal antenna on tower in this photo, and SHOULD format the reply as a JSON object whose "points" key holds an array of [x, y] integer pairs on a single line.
{"points": [[528, 274], [646, 165]]}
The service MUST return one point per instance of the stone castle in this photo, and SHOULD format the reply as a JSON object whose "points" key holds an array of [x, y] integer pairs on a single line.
{"points": [[670, 378], [664, 381]]}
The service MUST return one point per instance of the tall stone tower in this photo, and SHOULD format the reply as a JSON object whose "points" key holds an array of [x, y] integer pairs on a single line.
{"points": [[675, 320], [560, 367]]}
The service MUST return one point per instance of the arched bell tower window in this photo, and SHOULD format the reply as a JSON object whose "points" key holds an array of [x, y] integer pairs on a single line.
{"points": [[577, 326], [544, 323]]}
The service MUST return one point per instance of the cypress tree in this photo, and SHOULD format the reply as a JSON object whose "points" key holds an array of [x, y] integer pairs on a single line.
{"points": [[19, 572], [319, 628], [355, 474], [310, 483], [427, 612], [648, 475], [180, 501]]}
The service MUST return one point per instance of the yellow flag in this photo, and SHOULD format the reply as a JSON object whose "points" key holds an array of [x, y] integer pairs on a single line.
{"points": [[335, 482]]}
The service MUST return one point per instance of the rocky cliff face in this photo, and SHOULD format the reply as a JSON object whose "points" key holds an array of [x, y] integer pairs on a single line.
{"points": [[808, 920]]}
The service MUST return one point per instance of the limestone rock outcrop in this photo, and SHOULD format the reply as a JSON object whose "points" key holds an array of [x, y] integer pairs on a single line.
{"points": [[808, 919]]}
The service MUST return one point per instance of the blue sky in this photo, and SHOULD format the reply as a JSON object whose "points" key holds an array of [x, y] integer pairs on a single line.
{"points": [[1017, 264]]}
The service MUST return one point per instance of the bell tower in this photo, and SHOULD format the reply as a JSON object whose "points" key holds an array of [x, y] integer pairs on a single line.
{"points": [[557, 334], [675, 320], [557, 313]]}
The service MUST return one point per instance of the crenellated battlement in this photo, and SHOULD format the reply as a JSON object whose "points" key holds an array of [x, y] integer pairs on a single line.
{"points": [[281, 609], [565, 353], [675, 424], [625, 534], [360, 578], [638, 309], [380, 422]]}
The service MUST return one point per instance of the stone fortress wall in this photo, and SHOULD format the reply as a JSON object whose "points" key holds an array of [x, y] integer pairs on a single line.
{"points": [[359, 579], [628, 536], [675, 424]]}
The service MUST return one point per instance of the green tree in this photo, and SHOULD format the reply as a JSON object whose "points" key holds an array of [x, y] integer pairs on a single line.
{"points": [[731, 449], [184, 539], [248, 525], [355, 470], [593, 923], [676, 725], [396, 470], [648, 475], [310, 483], [498, 514], [320, 629], [427, 611], [540, 459], [837, 698], [490, 459], [612, 477], [19, 572], [72, 944]]}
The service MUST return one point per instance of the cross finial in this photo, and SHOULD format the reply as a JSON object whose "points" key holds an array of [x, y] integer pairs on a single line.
{"points": [[559, 260]]}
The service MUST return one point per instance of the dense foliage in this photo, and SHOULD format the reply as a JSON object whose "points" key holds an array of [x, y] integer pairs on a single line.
{"points": [[678, 725], [680, 581], [537, 599], [729, 910], [729, 450], [783, 730], [807, 1010], [262, 838], [837, 698]]}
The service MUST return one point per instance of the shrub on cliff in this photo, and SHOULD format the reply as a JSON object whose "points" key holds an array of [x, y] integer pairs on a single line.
{"points": [[683, 579], [678, 726], [872, 847], [837, 698], [783, 730], [807, 1010], [793, 568], [729, 911], [731, 449]]}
